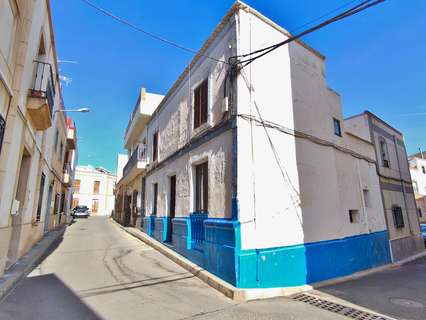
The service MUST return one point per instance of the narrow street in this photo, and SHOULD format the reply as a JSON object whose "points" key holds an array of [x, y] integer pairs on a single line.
{"points": [[99, 271]]}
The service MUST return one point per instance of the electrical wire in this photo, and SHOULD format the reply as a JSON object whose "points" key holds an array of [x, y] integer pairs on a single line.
{"points": [[299, 134], [150, 34], [262, 52], [322, 16]]}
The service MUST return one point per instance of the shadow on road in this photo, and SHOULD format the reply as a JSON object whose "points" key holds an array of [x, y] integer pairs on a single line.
{"points": [[129, 286], [44, 297]]}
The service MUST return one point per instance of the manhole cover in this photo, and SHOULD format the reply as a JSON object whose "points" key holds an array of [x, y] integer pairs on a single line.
{"points": [[407, 303]]}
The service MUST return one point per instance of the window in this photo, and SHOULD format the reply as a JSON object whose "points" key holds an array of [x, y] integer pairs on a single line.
{"points": [[398, 218], [367, 200], [155, 147], [337, 128], [2, 129], [155, 198], [200, 104], [40, 196], [96, 185], [353, 216], [419, 212], [95, 205], [55, 145], [201, 188], [415, 186], [77, 186], [423, 170], [56, 204], [384, 152]]}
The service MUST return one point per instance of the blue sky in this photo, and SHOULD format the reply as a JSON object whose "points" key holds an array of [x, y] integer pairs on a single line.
{"points": [[375, 60]]}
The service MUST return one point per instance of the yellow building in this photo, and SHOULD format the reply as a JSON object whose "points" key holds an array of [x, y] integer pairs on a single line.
{"points": [[37, 142]]}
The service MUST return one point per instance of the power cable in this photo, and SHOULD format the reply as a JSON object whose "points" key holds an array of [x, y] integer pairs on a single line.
{"points": [[150, 34], [322, 16], [262, 52]]}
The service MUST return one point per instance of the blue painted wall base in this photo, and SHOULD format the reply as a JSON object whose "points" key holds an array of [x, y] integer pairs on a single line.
{"points": [[218, 250]]}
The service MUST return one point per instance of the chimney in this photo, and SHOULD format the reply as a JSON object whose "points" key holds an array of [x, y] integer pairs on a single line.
{"points": [[143, 94]]}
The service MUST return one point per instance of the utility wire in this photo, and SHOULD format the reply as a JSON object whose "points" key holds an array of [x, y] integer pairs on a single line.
{"points": [[150, 34], [358, 8], [322, 16]]}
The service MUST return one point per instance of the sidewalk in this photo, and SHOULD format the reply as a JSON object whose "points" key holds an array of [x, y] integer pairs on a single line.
{"points": [[30, 260]]}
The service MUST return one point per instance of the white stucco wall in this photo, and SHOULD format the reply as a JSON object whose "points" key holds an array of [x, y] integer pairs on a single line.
{"points": [[87, 176], [320, 184]]}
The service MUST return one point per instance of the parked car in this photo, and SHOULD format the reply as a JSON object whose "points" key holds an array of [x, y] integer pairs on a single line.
{"points": [[81, 212], [423, 227]]}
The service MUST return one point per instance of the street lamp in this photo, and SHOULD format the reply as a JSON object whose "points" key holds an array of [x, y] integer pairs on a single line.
{"points": [[72, 110]]}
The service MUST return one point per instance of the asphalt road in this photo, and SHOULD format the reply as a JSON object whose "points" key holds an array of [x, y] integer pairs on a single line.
{"points": [[98, 271], [399, 292]]}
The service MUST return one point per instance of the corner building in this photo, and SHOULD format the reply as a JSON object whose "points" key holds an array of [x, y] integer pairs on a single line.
{"points": [[253, 175]]}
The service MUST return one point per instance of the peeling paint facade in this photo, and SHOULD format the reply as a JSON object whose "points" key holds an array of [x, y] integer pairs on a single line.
{"points": [[267, 186]]}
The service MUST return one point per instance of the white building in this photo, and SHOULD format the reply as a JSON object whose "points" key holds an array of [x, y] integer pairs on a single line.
{"points": [[418, 175], [94, 188], [37, 141], [252, 174]]}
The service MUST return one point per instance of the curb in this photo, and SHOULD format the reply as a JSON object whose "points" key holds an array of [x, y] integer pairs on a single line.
{"points": [[234, 293], [28, 262], [241, 295]]}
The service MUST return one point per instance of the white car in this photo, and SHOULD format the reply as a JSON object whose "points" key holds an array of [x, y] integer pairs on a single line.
{"points": [[81, 212]]}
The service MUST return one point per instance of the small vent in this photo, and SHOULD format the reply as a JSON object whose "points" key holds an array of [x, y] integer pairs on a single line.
{"points": [[337, 308]]}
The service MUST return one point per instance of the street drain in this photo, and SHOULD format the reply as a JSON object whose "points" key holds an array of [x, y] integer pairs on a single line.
{"points": [[337, 308]]}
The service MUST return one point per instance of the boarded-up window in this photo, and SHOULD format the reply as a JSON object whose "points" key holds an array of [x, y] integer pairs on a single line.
{"points": [[96, 185], [95, 205], [200, 104], [155, 147], [201, 187], [77, 186]]}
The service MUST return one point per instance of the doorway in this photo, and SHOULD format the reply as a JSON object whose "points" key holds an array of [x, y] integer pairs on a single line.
{"points": [[172, 206], [21, 195], [48, 208]]}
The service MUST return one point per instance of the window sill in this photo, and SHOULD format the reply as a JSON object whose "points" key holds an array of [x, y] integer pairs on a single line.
{"points": [[204, 127]]}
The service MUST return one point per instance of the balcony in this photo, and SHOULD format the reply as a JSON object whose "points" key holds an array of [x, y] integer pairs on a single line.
{"points": [[66, 179], [136, 164], [41, 97], [71, 134], [145, 106]]}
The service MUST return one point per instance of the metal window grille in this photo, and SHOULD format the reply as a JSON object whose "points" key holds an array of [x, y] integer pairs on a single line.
{"points": [[398, 218]]}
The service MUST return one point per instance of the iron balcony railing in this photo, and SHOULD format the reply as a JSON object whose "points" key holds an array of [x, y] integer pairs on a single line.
{"points": [[43, 85], [139, 154]]}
